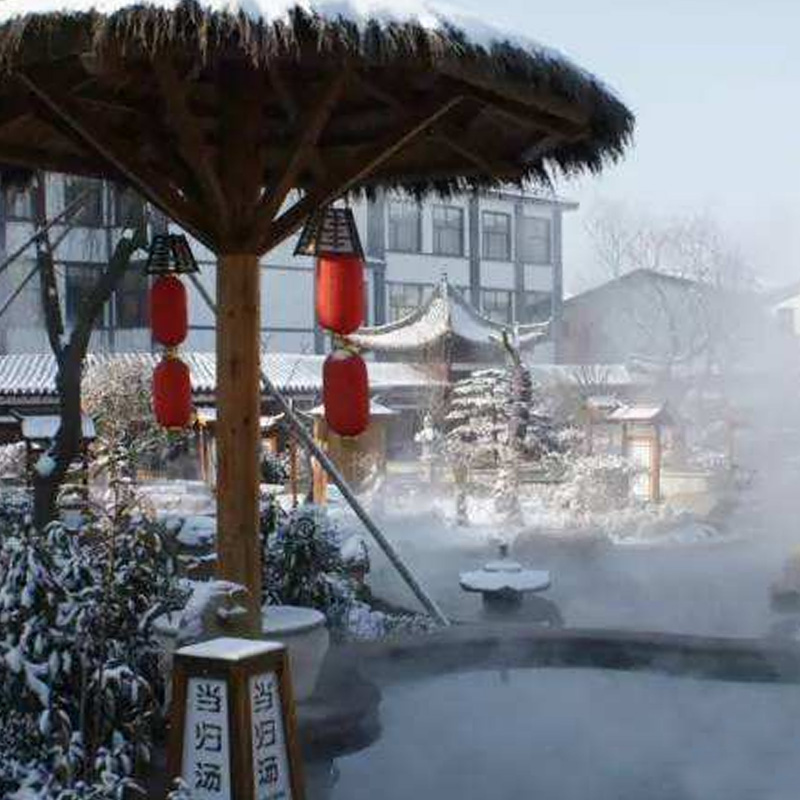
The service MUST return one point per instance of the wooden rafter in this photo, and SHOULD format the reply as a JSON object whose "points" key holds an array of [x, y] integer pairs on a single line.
{"points": [[90, 135], [186, 130], [240, 154], [344, 179], [283, 93], [312, 128]]}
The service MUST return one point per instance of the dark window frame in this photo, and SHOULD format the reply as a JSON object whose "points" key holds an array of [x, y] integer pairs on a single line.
{"points": [[488, 235], [527, 243], [399, 310], [394, 239], [91, 214], [488, 294], [443, 226]]}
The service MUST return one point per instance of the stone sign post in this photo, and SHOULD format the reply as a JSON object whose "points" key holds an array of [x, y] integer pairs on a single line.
{"points": [[233, 731]]}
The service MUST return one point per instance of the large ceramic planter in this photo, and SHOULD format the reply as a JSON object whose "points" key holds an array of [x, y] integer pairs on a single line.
{"points": [[306, 637]]}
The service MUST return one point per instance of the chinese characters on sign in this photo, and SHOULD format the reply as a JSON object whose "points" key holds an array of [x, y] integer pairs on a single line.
{"points": [[270, 763], [206, 762]]}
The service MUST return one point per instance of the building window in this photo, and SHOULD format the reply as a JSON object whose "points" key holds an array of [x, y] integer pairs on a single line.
{"points": [[448, 231], [405, 298], [79, 280], [498, 305], [405, 226], [534, 240], [19, 204], [496, 236], [128, 208], [131, 299], [91, 210], [536, 307]]}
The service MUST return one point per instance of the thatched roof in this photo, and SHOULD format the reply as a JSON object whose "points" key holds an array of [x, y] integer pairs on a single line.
{"points": [[318, 86]]}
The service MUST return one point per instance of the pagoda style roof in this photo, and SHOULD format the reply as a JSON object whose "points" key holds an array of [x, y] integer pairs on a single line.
{"points": [[445, 315]]}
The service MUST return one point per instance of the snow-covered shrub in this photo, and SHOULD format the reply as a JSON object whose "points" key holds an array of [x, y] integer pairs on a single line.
{"points": [[595, 484], [78, 669], [273, 468], [12, 461], [310, 562], [303, 565]]}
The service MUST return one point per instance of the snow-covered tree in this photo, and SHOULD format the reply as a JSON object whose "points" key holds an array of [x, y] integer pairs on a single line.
{"points": [[497, 421], [119, 397]]}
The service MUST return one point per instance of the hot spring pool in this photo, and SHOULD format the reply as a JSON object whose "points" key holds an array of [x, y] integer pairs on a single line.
{"points": [[575, 734]]}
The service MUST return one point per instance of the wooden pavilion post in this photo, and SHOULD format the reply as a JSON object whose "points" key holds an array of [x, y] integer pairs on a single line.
{"points": [[238, 433]]}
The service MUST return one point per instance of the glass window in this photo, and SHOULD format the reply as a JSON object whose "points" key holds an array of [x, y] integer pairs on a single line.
{"points": [[498, 305], [19, 204], [448, 230], [80, 280], [405, 226], [536, 307], [404, 298], [128, 208], [91, 211], [496, 235], [534, 240], [131, 299]]}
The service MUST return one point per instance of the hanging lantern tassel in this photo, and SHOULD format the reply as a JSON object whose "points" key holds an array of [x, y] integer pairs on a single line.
{"points": [[345, 393], [172, 393], [169, 316], [340, 292]]}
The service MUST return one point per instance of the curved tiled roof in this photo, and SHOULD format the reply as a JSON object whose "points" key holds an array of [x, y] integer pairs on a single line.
{"points": [[445, 314], [33, 374]]}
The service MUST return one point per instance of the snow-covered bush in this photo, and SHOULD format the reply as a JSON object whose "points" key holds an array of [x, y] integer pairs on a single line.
{"points": [[273, 468], [310, 562], [12, 461], [79, 679], [595, 484]]}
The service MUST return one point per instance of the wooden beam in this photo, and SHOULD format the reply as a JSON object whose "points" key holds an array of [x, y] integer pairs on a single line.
{"points": [[184, 125], [345, 179], [283, 93], [119, 157], [311, 129], [238, 427]]}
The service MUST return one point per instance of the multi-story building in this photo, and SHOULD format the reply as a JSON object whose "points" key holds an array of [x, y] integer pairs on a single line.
{"points": [[502, 249]]}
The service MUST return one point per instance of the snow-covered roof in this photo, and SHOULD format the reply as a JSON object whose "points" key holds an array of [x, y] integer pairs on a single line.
{"points": [[445, 314], [206, 414], [431, 16], [46, 427], [33, 374], [639, 413], [376, 409]]}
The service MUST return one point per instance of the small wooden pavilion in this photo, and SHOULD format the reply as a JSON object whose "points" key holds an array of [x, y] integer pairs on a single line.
{"points": [[449, 331], [241, 119]]}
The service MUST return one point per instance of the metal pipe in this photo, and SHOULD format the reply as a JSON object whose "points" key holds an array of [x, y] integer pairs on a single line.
{"points": [[37, 234], [18, 291], [325, 462]]}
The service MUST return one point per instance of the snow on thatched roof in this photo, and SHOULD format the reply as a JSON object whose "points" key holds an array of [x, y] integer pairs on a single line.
{"points": [[446, 314], [33, 375], [573, 121]]}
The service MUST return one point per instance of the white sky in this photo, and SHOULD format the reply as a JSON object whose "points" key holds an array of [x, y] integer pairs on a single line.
{"points": [[715, 86]]}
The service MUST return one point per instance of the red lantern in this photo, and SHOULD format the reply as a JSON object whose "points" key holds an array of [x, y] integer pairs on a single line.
{"points": [[172, 393], [345, 392], [169, 316], [340, 292]]}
